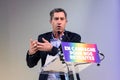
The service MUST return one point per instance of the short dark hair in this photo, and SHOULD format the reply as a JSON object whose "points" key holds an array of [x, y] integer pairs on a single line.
{"points": [[57, 10]]}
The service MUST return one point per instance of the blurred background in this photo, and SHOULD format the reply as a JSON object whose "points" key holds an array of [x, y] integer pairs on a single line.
{"points": [[97, 21]]}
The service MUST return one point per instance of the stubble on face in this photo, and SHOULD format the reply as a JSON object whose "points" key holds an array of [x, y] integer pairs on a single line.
{"points": [[58, 22]]}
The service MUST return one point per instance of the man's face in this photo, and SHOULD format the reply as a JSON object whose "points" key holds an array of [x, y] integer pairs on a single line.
{"points": [[58, 22]]}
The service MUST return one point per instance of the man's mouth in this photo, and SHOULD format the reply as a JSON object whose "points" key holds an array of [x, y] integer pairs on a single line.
{"points": [[58, 26]]}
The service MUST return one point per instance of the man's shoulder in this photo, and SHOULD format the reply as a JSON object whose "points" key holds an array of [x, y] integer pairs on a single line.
{"points": [[71, 33], [72, 36], [46, 34]]}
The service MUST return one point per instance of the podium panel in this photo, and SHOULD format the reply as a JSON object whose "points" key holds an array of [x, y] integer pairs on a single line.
{"points": [[76, 56]]}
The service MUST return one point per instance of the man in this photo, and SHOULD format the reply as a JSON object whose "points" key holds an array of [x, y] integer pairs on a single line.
{"points": [[49, 43]]}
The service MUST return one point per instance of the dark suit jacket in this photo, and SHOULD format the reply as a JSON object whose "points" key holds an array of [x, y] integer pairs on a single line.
{"points": [[32, 60]]}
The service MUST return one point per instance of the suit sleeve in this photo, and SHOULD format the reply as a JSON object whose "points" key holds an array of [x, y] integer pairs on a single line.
{"points": [[32, 60]]}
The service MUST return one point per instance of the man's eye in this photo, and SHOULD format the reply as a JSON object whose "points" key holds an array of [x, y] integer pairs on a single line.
{"points": [[56, 18], [62, 18], [59, 18]]}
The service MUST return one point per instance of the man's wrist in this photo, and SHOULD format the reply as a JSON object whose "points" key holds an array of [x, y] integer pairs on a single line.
{"points": [[30, 52]]}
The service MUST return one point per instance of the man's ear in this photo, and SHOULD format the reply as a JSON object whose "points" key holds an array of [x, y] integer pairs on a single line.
{"points": [[66, 21], [50, 21]]}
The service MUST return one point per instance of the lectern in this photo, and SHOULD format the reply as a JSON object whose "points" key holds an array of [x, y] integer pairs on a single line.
{"points": [[74, 54]]}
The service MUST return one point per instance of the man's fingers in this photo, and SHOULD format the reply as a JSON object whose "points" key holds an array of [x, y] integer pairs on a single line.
{"points": [[33, 44], [44, 40]]}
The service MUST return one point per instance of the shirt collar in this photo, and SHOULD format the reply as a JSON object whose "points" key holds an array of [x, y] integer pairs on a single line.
{"points": [[56, 38]]}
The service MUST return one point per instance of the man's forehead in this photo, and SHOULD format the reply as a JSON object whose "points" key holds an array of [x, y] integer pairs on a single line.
{"points": [[59, 14]]}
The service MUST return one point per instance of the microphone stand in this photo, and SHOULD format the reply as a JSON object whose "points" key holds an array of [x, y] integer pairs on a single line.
{"points": [[63, 61], [61, 56]]}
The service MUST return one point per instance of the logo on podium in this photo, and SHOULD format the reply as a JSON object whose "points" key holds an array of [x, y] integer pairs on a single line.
{"points": [[80, 52]]}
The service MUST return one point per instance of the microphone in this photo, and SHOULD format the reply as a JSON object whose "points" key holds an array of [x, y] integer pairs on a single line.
{"points": [[59, 35], [60, 48]]}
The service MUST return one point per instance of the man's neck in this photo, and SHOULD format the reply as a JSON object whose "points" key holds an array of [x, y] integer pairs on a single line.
{"points": [[58, 34]]}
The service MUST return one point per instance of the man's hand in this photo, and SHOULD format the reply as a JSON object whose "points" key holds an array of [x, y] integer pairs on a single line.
{"points": [[45, 46], [33, 47]]}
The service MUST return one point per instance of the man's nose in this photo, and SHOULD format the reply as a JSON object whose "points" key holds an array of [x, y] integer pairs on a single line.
{"points": [[58, 23]]}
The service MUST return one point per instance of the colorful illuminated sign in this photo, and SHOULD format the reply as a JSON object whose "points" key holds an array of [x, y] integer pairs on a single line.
{"points": [[80, 52]]}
